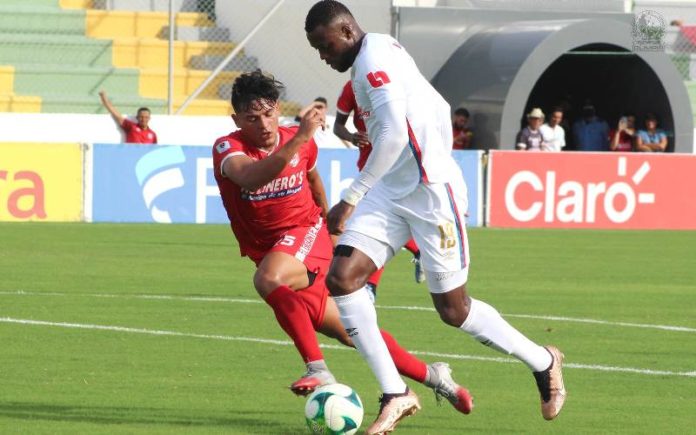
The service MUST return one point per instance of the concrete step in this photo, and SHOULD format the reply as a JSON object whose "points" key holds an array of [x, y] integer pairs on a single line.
{"points": [[197, 33], [154, 53], [54, 49], [40, 3], [147, 5], [39, 79], [28, 19], [153, 83], [20, 103], [123, 24], [238, 63]]}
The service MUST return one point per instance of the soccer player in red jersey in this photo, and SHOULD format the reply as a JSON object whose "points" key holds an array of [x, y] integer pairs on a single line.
{"points": [[344, 106], [275, 201], [136, 132]]}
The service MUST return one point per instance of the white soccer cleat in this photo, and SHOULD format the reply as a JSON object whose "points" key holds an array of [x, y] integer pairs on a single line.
{"points": [[447, 388], [550, 384], [393, 408]]}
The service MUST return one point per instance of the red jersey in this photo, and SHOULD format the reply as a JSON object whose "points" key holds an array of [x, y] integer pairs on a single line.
{"points": [[260, 218], [464, 136], [135, 134], [346, 103], [625, 143]]}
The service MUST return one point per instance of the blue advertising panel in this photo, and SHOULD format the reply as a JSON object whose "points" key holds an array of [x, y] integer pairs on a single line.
{"points": [[175, 184], [470, 164], [337, 169], [145, 183]]}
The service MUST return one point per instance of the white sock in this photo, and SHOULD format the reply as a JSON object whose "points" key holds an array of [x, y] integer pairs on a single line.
{"points": [[360, 320], [486, 325]]}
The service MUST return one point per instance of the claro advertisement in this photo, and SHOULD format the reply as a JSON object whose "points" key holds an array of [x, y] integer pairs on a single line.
{"points": [[41, 182], [591, 190]]}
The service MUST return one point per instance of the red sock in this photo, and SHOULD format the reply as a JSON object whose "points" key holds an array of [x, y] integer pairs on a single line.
{"points": [[411, 246], [293, 317], [407, 364], [375, 277]]}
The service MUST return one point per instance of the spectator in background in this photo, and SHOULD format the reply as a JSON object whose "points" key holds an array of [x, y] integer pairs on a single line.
{"points": [[552, 132], [652, 139], [321, 135], [622, 138], [461, 133], [590, 132], [530, 137], [135, 132], [319, 103]]}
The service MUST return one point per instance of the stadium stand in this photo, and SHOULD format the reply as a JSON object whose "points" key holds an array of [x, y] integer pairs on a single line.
{"points": [[57, 55]]}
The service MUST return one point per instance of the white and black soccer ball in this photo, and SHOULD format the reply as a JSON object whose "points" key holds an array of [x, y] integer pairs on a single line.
{"points": [[334, 409]]}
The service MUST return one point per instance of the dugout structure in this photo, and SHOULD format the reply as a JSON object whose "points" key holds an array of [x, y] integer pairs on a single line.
{"points": [[501, 63]]}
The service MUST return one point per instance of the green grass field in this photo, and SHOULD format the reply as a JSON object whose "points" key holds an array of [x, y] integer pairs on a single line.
{"points": [[156, 329]]}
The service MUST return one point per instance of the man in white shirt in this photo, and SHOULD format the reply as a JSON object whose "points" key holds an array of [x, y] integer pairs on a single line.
{"points": [[415, 188], [553, 133]]}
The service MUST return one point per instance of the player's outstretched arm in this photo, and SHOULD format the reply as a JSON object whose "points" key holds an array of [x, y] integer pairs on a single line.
{"points": [[390, 140], [251, 174], [110, 108]]}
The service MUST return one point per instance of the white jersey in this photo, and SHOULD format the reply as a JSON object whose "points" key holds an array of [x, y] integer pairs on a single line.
{"points": [[383, 72]]}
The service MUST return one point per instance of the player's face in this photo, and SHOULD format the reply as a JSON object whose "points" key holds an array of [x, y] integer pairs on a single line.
{"points": [[535, 123], [460, 121], [335, 43], [259, 123], [143, 118], [556, 118]]}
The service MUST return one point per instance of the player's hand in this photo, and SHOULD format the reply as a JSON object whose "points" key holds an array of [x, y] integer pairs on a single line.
{"points": [[310, 121], [337, 217], [360, 139]]}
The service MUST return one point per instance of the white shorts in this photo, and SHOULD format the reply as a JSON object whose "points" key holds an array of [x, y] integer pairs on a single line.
{"points": [[433, 214]]}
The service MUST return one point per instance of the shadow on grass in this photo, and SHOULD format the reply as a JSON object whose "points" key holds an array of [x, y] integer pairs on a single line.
{"points": [[252, 423]]}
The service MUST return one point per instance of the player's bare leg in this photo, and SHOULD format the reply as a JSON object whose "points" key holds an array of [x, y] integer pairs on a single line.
{"points": [[276, 279], [487, 326]]}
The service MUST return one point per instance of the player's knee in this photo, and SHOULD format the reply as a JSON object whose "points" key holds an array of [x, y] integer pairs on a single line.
{"points": [[266, 281], [453, 315]]}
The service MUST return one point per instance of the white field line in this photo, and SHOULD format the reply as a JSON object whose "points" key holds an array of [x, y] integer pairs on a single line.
{"points": [[384, 307], [691, 374]]}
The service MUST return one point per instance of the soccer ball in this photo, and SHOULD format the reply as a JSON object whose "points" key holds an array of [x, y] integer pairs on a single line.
{"points": [[334, 409]]}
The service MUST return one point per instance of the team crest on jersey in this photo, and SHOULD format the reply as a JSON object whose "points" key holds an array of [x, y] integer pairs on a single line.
{"points": [[222, 147], [295, 160]]}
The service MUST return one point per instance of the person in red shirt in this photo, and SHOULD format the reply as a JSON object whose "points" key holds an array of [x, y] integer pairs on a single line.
{"points": [[344, 106], [276, 203], [135, 132], [622, 138], [460, 132]]}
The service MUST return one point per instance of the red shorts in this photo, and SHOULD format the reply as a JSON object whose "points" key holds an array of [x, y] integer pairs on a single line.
{"points": [[313, 247]]}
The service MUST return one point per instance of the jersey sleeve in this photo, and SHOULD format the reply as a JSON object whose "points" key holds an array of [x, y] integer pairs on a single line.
{"points": [[379, 73], [346, 101], [312, 155], [127, 125], [224, 148]]}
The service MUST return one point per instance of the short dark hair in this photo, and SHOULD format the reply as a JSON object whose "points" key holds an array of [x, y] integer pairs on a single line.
{"points": [[557, 109], [143, 109], [321, 100], [651, 117], [253, 86], [462, 112], [323, 13]]}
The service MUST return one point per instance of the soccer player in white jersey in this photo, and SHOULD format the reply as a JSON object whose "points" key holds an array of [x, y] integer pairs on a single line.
{"points": [[415, 188]]}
